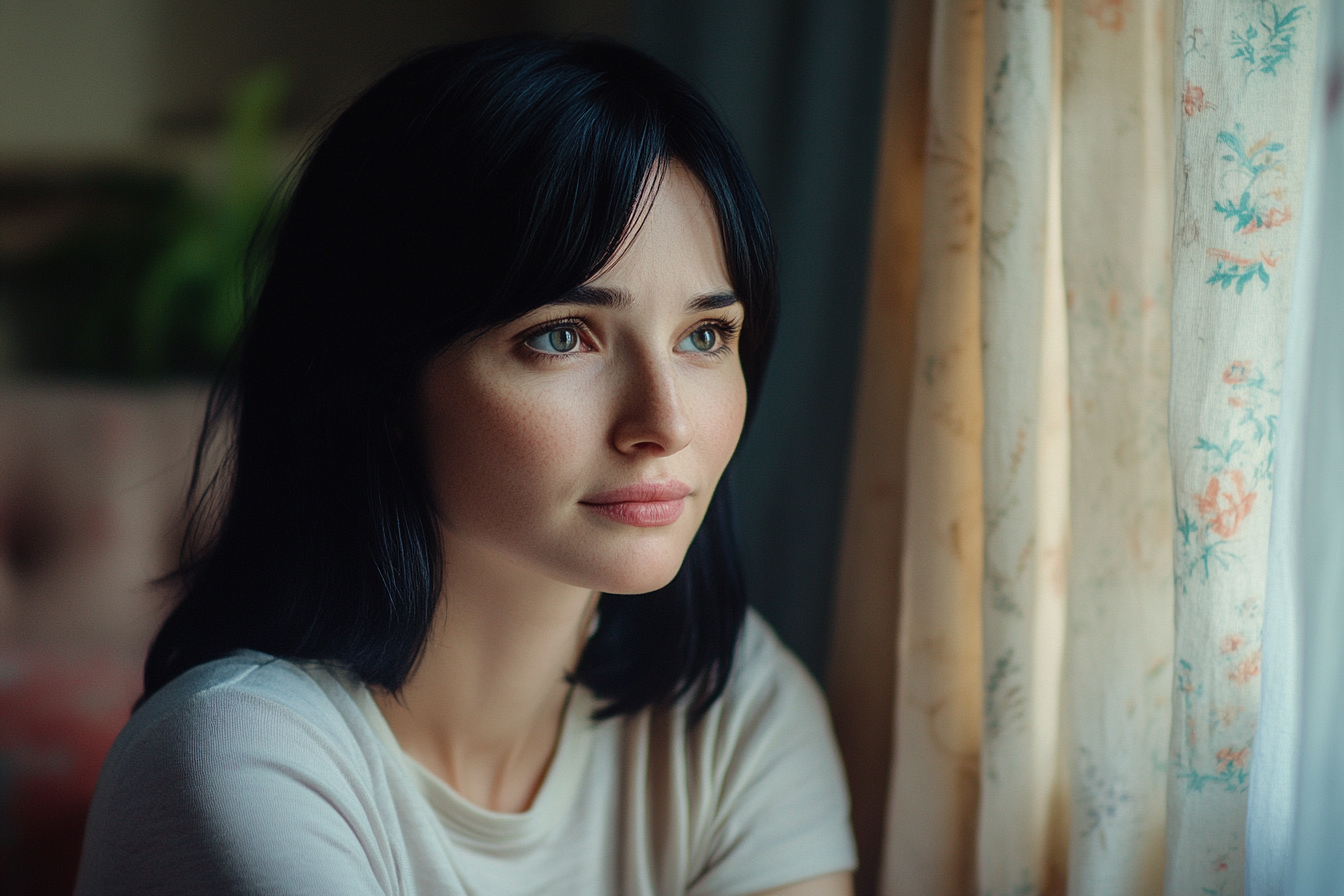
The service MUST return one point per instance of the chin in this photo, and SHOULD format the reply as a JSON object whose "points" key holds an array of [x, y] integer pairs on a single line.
{"points": [[637, 571], [639, 581], [640, 585]]}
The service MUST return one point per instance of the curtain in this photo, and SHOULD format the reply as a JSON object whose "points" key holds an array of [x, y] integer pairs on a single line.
{"points": [[1117, 192], [1273, 774], [937, 703], [1112, 194], [1242, 158], [1310, 860]]}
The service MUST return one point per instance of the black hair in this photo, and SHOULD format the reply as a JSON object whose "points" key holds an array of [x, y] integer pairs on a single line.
{"points": [[470, 185]]}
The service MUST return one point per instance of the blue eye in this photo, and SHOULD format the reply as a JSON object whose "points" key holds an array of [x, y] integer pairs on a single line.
{"points": [[703, 339], [560, 341]]}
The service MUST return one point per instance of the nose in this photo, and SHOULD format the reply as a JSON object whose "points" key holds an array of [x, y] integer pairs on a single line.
{"points": [[651, 417]]}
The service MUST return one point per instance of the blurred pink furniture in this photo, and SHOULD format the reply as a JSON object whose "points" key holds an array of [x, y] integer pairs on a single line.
{"points": [[92, 480]]}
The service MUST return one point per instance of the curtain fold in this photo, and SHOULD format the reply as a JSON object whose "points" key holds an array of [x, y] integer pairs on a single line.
{"points": [[1117, 202], [935, 782], [1025, 451], [1316, 863], [1274, 772]]}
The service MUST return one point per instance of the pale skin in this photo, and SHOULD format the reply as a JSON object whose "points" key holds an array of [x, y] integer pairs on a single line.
{"points": [[635, 379]]}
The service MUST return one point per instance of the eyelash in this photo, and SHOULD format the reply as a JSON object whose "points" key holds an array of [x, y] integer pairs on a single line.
{"points": [[726, 329], [568, 323]]}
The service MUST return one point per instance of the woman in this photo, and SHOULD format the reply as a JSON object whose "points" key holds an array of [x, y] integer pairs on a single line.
{"points": [[471, 620]]}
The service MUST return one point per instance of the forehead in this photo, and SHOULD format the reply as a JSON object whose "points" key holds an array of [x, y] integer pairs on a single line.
{"points": [[675, 243]]}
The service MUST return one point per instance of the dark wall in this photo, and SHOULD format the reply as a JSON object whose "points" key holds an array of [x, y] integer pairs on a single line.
{"points": [[799, 82]]}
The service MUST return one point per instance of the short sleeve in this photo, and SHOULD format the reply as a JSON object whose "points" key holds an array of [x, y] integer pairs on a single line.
{"points": [[230, 792], [781, 812]]}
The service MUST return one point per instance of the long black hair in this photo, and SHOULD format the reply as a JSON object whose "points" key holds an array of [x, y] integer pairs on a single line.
{"points": [[468, 186]]}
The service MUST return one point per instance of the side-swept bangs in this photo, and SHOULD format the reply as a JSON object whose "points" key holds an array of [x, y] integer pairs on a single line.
{"points": [[467, 187]]}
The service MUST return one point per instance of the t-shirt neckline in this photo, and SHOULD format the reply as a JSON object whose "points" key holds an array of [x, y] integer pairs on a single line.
{"points": [[464, 818]]}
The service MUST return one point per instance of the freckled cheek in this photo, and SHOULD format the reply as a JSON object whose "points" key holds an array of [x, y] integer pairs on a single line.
{"points": [[504, 453], [725, 411]]}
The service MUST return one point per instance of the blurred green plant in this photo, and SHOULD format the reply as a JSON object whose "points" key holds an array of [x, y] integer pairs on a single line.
{"points": [[149, 282], [198, 279]]}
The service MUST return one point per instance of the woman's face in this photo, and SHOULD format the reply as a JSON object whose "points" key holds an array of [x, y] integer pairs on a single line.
{"points": [[584, 440]]}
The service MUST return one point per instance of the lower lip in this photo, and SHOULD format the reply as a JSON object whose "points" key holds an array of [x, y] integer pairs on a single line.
{"points": [[645, 514]]}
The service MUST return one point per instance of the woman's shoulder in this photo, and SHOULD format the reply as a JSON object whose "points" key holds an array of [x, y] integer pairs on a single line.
{"points": [[251, 751], [768, 801], [760, 648], [249, 713], [243, 696], [768, 678], [771, 719]]}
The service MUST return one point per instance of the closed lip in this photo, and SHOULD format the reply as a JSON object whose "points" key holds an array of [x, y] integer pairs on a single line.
{"points": [[641, 493]]}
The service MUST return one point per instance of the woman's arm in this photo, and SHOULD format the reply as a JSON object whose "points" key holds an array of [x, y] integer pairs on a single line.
{"points": [[841, 883]]}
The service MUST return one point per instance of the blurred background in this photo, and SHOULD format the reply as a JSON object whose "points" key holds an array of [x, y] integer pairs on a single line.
{"points": [[139, 140]]}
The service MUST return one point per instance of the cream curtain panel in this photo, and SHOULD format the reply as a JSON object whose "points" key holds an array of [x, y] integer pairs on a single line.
{"points": [[1107, 237]]}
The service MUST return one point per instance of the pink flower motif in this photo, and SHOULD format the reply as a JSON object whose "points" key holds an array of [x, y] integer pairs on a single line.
{"points": [[1231, 643], [1246, 669], [1275, 217], [1236, 402], [1228, 757], [1193, 101], [1237, 372], [1268, 259], [1110, 14], [1224, 510]]}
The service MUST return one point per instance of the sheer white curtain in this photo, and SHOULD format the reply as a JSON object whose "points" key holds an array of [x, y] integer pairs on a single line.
{"points": [[1274, 776], [1315, 862]]}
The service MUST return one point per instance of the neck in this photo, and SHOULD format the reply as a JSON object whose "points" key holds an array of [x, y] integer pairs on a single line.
{"points": [[483, 709]]}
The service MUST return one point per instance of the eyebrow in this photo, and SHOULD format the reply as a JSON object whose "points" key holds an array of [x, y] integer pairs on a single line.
{"points": [[600, 296], [607, 297], [712, 301]]}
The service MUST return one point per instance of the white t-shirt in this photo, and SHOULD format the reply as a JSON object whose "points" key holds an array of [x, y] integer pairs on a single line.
{"points": [[252, 774]]}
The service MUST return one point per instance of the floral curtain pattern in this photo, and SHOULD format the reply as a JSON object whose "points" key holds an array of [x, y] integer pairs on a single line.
{"points": [[1247, 76], [1112, 194]]}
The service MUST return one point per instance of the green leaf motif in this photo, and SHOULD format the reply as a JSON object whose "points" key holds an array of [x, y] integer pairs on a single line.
{"points": [[1262, 50], [1230, 275]]}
